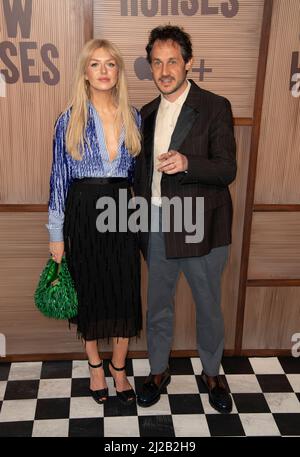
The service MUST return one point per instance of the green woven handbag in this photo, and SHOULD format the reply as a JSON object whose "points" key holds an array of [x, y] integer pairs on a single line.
{"points": [[55, 295]]}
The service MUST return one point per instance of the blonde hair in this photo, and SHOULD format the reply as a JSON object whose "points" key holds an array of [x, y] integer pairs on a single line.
{"points": [[75, 135]]}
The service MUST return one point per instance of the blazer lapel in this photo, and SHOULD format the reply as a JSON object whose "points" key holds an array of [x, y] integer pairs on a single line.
{"points": [[185, 122], [149, 129]]}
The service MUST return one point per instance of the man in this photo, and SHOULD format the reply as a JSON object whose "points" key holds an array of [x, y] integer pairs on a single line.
{"points": [[189, 152]]}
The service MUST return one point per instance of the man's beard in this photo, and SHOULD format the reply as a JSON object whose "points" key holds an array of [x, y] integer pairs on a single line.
{"points": [[175, 89]]}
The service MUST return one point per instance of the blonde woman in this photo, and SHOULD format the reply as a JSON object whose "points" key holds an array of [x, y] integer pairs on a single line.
{"points": [[96, 141]]}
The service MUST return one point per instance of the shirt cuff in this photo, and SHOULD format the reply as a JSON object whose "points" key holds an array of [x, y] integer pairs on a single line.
{"points": [[55, 234]]}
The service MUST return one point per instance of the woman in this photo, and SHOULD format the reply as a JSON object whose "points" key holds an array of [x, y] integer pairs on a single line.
{"points": [[95, 143]]}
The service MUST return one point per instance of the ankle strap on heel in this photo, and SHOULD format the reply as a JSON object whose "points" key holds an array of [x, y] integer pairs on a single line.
{"points": [[117, 369], [95, 366]]}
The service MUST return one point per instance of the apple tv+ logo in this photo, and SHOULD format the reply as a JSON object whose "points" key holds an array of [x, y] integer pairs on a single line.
{"points": [[142, 69]]}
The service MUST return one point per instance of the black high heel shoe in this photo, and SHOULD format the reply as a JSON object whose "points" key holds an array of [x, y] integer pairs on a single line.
{"points": [[100, 396], [127, 397]]}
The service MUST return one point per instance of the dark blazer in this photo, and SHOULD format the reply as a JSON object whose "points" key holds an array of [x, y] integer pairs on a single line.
{"points": [[204, 133]]}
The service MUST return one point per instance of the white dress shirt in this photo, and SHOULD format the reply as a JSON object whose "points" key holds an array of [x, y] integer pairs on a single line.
{"points": [[166, 119]]}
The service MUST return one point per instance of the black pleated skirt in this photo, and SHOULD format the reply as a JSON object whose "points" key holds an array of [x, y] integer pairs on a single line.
{"points": [[105, 266]]}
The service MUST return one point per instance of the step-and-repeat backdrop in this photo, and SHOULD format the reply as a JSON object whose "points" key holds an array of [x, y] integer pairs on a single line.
{"points": [[225, 36], [39, 44]]}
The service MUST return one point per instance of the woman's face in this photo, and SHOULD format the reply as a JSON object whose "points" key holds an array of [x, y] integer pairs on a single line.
{"points": [[102, 71]]}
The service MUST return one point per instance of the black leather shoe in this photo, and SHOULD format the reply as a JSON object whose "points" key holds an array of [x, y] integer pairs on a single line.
{"points": [[152, 387], [219, 397]]}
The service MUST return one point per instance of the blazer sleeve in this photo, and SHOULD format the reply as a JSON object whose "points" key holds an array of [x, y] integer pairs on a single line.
{"points": [[219, 168]]}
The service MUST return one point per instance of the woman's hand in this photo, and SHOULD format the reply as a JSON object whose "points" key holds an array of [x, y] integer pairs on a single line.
{"points": [[57, 249]]}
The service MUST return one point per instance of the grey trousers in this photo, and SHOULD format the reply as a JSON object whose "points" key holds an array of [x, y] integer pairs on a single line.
{"points": [[204, 277]]}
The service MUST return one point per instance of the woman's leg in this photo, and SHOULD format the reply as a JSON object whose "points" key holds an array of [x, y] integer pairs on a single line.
{"points": [[98, 381], [120, 349]]}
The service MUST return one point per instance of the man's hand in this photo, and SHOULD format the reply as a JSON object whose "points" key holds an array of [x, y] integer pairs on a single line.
{"points": [[57, 250], [172, 162]]}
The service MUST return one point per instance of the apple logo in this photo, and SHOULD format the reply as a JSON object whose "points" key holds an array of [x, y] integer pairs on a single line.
{"points": [[142, 69]]}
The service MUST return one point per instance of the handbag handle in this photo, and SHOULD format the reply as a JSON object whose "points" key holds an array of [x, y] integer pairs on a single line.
{"points": [[56, 280]]}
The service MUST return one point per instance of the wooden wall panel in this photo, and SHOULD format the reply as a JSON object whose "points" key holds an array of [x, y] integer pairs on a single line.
{"points": [[24, 252], [29, 110], [232, 272], [23, 235], [278, 167], [272, 316], [27, 331], [229, 46], [275, 246]]}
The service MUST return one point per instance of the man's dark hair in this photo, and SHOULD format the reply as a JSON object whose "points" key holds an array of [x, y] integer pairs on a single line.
{"points": [[174, 33]]}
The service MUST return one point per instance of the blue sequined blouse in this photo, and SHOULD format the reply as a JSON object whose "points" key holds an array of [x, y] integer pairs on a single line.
{"points": [[94, 164]]}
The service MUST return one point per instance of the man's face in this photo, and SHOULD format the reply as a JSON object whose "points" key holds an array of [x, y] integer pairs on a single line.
{"points": [[168, 67]]}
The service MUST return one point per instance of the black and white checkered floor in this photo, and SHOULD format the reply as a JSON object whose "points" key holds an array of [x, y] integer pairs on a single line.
{"points": [[51, 399]]}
